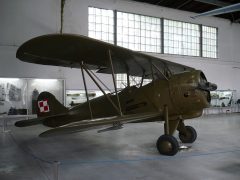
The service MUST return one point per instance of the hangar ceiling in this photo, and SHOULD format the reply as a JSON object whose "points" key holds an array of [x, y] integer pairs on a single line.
{"points": [[198, 6]]}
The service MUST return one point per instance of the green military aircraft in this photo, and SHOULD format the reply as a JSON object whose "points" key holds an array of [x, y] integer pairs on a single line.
{"points": [[176, 93]]}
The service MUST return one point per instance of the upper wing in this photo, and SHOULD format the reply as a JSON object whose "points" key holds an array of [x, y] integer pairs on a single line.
{"points": [[69, 50], [97, 123]]}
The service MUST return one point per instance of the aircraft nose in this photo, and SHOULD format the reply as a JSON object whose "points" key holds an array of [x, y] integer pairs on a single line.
{"points": [[207, 86], [211, 86]]}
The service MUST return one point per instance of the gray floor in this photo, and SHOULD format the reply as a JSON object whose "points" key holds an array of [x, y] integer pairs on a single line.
{"points": [[125, 154]]}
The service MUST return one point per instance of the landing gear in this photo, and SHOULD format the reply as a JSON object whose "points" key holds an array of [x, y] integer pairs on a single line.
{"points": [[167, 145], [189, 135]]}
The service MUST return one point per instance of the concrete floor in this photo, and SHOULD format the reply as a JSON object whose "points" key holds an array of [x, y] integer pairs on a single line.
{"points": [[125, 154]]}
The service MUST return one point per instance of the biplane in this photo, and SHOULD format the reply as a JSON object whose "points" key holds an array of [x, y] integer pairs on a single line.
{"points": [[176, 92]]}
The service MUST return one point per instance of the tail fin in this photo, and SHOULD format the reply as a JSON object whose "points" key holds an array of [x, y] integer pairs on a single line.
{"points": [[48, 105], [50, 112]]}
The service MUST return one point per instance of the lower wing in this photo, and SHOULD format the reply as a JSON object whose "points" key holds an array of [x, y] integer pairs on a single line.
{"points": [[86, 125]]}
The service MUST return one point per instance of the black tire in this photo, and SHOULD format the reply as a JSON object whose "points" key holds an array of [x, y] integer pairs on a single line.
{"points": [[188, 137], [167, 145]]}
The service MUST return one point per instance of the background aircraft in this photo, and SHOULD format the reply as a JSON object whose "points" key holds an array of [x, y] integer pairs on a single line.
{"points": [[176, 93]]}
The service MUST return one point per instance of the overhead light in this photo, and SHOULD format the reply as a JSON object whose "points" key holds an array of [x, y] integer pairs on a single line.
{"points": [[45, 80], [10, 80]]}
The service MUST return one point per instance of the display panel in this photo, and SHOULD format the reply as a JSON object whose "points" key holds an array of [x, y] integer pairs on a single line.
{"points": [[19, 95], [223, 98], [13, 96]]}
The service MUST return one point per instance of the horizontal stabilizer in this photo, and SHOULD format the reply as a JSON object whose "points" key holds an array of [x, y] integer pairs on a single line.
{"points": [[97, 123], [36, 121], [30, 122]]}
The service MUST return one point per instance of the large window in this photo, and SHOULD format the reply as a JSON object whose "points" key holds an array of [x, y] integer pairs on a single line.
{"points": [[209, 42], [145, 33], [138, 32], [181, 38], [101, 24]]}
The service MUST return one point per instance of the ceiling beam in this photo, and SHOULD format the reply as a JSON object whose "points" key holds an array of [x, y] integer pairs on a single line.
{"points": [[214, 2], [183, 4], [223, 10], [159, 2]]}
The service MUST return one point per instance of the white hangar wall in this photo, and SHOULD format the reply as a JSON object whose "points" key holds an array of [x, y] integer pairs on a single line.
{"points": [[24, 19]]}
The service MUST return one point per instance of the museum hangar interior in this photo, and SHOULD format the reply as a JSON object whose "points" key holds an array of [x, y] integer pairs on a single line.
{"points": [[168, 40]]}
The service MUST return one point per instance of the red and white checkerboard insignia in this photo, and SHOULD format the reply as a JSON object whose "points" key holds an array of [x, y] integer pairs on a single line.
{"points": [[43, 106]]}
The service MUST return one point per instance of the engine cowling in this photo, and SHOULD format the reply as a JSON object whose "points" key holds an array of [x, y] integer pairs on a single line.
{"points": [[190, 92]]}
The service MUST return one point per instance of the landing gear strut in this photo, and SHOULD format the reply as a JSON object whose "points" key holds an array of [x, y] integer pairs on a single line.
{"points": [[167, 144]]}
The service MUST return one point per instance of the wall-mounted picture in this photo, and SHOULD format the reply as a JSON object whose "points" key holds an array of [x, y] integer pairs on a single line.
{"points": [[2, 92]]}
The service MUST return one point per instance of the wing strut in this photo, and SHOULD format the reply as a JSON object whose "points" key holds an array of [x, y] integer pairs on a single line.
{"points": [[142, 79], [106, 95], [128, 80], [114, 82], [152, 72], [100, 81], [86, 91], [160, 71]]}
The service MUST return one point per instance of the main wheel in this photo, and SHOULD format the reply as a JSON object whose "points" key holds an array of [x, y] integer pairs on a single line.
{"points": [[167, 145], [190, 136]]}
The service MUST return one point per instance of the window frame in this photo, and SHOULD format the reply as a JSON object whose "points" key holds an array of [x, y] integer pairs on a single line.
{"points": [[146, 16], [217, 46], [200, 39], [108, 33], [161, 37]]}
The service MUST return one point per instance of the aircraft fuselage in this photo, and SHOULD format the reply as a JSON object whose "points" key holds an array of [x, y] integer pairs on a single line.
{"points": [[182, 93]]}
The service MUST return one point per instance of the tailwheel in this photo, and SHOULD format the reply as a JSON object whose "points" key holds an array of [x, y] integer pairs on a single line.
{"points": [[189, 136], [167, 145]]}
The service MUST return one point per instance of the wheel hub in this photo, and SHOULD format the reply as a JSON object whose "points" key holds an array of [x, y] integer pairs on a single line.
{"points": [[166, 146]]}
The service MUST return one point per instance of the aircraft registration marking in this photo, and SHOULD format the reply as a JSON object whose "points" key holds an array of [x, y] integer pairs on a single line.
{"points": [[43, 106]]}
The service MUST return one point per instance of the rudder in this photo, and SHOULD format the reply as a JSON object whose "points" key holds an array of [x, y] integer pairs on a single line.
{"points": [[48, 105]]}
